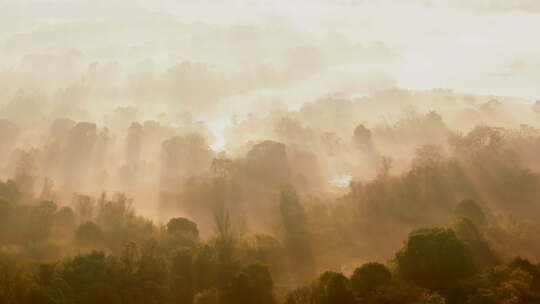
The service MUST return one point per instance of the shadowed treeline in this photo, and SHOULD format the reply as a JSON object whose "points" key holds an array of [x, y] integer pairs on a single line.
{"points": [[260, 220]]}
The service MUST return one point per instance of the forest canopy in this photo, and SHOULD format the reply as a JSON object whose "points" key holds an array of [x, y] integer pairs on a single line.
{"points": [[272, 152]]}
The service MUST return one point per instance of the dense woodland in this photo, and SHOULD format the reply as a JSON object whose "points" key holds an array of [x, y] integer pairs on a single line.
{"points": [[269, 152], [432, 214]]}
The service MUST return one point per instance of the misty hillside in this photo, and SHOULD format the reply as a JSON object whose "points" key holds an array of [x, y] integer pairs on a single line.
{"points": [[239, 152]]}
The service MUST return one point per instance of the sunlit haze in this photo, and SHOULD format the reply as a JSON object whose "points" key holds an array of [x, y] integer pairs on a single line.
{"points": [[272, 152]]}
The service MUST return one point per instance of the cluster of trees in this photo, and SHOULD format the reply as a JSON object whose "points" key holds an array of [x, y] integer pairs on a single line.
{"points": [[260, 221], [97, 250], [434, 266], [101, 252]]}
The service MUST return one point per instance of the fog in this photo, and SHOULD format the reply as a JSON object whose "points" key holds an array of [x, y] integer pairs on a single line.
{"points": [[303, 135]]}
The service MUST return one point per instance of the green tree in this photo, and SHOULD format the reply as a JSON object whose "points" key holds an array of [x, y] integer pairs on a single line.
{"points": [[362, 137], [253, 284], [370, 276], [7, 217], [435, 259], [9, 191], [302, 295], [93, 278], [469, 209], [297, 236], [479, 248], [89, 233], [333, 288], [182, 276], [182, 225], [528, 267], [41, 221], [503, 285]]}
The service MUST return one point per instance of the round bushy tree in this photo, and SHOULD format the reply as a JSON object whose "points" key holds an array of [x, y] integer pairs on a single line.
{"points": [[370, 276], [434, 258]]}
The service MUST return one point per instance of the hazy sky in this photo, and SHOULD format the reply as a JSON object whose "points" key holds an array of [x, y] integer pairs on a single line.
{"points": [[477, 46]]}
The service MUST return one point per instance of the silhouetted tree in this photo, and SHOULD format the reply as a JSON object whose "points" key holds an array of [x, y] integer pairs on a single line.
{"points": [[370, 276], [434, 259]]}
